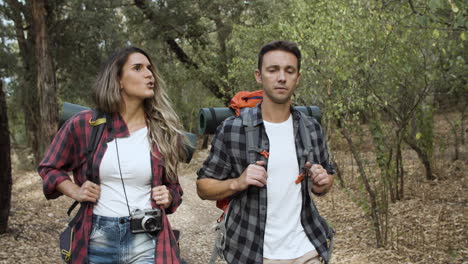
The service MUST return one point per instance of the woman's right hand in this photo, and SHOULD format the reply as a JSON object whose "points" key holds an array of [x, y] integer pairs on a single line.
{"points": [[88, 192]]}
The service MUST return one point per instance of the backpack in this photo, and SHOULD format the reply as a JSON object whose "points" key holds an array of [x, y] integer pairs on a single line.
{"points": [[252, 134], [245, 99], [97, 122], [241, 100]]}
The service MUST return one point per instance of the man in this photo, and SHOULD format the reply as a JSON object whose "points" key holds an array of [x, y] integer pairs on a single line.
{"points": [[271, 217]]}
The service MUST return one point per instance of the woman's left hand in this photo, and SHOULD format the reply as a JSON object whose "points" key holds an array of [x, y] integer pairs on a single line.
{"points": [[161, 195]]}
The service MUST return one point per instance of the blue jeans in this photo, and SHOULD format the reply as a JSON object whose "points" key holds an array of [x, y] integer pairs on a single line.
{"points": [[111, 241]]}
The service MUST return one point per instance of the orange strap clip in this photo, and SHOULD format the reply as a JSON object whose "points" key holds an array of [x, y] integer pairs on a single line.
{"points": [[265, 154], [299, 178]]}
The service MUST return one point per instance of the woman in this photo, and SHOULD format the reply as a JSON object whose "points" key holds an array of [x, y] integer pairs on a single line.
{"points": [[135, 163]]}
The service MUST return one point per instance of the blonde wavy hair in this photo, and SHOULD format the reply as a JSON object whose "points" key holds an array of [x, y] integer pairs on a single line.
{"points": [[164, 127]]}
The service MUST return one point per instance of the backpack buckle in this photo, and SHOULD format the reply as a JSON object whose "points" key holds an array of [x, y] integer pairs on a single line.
{"points": [[299, 178], [264, 153], [97, 122]]}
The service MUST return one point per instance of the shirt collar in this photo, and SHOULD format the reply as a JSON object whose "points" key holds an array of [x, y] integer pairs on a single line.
{"points": [[117, 127], [258, 119]]}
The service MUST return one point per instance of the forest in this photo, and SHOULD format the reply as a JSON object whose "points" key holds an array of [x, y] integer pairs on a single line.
{"points": [[390, 78]]}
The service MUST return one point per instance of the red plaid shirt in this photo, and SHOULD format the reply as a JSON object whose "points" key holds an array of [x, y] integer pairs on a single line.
{"points": [[67, 152]]}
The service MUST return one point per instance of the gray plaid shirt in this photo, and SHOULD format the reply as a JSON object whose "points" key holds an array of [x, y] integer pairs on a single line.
{"points": [[248, 209]]}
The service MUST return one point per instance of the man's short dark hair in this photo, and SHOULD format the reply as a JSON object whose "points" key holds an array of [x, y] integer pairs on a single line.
{"points": [[283, 45]]}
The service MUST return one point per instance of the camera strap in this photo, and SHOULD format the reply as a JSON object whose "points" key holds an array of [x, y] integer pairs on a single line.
{"points": [[121, 178]]}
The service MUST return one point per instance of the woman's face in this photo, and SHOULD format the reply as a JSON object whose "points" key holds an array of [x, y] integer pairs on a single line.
{"points": [[137, 81]]}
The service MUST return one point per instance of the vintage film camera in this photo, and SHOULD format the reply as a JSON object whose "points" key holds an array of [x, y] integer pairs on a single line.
{"points": [[146, 221]]}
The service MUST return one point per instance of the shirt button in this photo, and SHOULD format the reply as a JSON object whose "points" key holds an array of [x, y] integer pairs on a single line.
{"points": [[262, 208]]}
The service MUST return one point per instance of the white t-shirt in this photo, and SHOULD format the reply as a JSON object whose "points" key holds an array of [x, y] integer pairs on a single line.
{"points": [[135, 163], [284, 235]]}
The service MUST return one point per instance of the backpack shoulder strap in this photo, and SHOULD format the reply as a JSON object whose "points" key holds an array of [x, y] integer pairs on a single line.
{"points": [[97, 127], [307, 153], [304, 133], [97, 123], [252, 135]]}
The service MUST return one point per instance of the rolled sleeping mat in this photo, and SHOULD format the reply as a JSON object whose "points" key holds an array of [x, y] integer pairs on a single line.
{"points": [[210, 118], [311, 110], [69, 110]]}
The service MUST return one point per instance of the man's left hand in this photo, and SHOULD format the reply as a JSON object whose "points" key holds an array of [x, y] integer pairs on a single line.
{"points": [[321, 180]]}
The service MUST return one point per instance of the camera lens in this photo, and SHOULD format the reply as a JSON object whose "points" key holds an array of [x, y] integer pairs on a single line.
{"points": [[149, 223]]}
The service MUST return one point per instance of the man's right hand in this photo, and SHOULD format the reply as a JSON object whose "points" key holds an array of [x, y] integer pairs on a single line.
{"points": [[254, 174], [213, 189]]}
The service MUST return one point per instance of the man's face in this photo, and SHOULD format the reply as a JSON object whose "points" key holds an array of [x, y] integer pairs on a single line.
{"points": [[278, 76]]}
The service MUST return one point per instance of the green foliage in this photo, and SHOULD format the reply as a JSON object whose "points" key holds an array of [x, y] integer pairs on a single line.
{"points": [[9, 67], [85, 32], [390, 64], [187, 95], [8, 59]]}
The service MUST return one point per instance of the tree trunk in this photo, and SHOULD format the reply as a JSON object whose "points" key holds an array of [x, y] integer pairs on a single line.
{"points": [[370, 192], [46, 83], [206, 139], [339, 174], [458, 131], [399, 172], [383, 150], [426, 161], [462, 124], [21, 16], [5, 164]]}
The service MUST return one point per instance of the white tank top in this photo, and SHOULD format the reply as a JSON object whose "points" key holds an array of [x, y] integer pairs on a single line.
{"points": [[135, 163], [284, 235]]}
